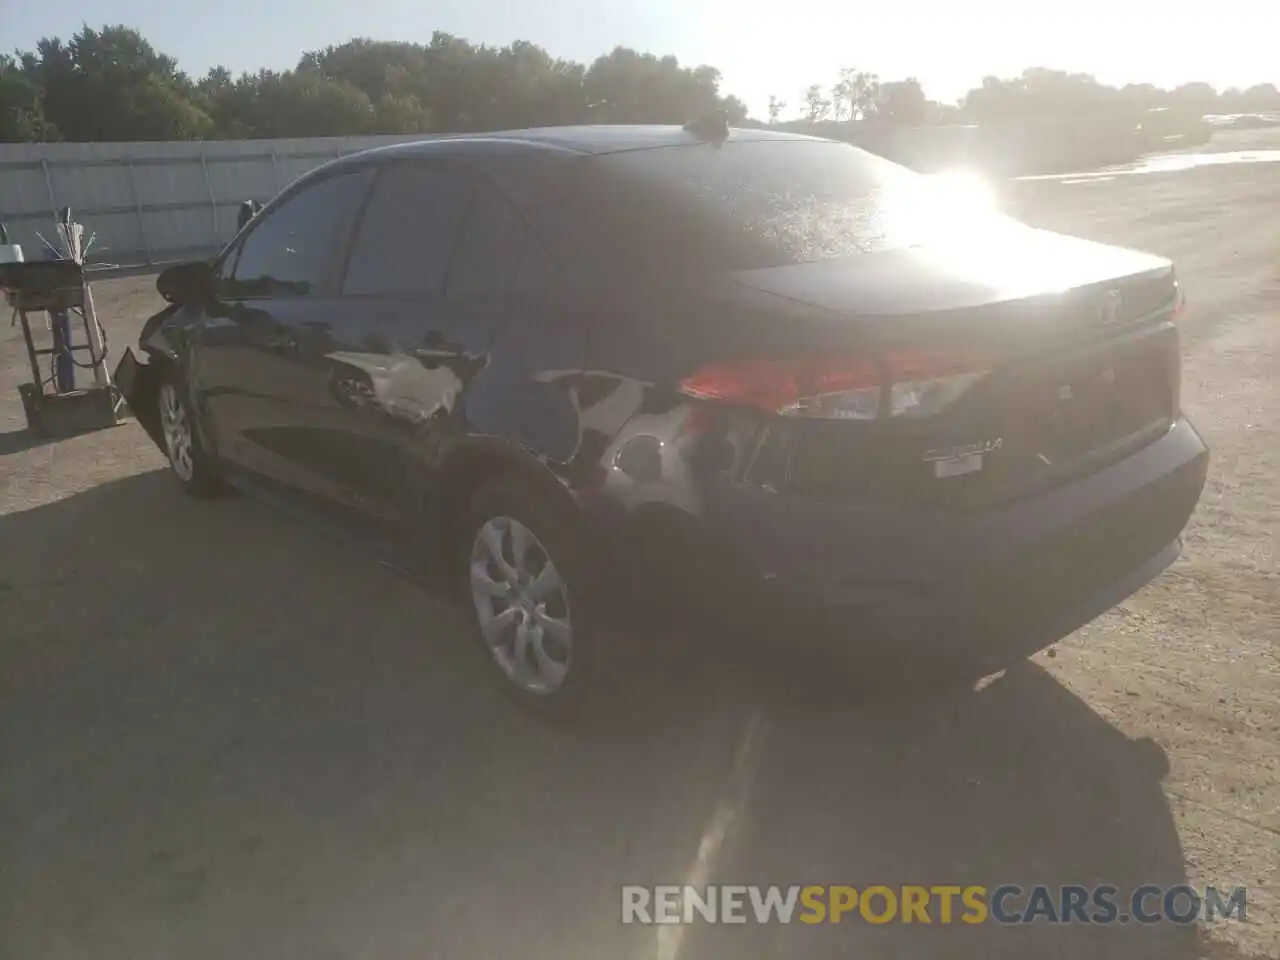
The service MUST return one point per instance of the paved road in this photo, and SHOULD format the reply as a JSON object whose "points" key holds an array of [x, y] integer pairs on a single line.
{"points": [[222, 735]]}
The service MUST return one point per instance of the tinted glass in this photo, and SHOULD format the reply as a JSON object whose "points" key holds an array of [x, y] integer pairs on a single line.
{"points": [[287, 252], [496, 252], [752, 204], [406, 237]]}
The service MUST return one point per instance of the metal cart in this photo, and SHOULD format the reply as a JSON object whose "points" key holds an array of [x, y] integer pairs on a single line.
{"points": [[54, 407]]}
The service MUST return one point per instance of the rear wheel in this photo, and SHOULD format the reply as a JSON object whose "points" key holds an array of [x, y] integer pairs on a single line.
{"points": [[519, 561], [193, 466]]}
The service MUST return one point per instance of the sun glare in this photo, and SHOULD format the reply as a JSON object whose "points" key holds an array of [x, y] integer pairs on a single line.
{"points": [[954, 205], [956, 217], [964, 190]]}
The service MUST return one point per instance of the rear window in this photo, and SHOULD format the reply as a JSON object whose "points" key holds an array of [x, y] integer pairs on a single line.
{"points": [[752, 204]]}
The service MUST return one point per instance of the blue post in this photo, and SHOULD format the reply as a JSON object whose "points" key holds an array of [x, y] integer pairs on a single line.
{"points": [[64, 367]]}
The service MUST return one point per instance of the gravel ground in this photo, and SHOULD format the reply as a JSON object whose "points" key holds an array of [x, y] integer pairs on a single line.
{"points": [[224, 735]]}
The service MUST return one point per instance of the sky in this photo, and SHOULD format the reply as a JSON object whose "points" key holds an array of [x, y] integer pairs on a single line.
{"points": [[762, 47]]}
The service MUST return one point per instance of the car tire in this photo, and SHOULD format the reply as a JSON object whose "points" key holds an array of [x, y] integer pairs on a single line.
{"points": [[519, 561], [194, 467]]}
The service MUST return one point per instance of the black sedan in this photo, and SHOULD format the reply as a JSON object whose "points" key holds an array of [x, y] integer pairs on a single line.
{"points": [[552, 368]]}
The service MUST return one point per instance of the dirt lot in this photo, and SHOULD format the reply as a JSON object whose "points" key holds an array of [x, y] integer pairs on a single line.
{"points": [[225, 736]]}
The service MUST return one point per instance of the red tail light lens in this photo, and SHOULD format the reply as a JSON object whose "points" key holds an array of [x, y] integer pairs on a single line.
{"points": [[791, 387], [840, 387]]}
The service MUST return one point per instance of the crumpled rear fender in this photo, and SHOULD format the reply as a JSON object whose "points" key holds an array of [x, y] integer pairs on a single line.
{"points": [[139, 383], [138, 378]]}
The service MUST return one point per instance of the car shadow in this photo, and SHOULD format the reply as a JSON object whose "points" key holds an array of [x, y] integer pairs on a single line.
{"points": [[223, 734]]}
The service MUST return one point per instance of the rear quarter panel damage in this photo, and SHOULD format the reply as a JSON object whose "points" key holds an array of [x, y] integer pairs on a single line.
{"points": [[139, 375]]}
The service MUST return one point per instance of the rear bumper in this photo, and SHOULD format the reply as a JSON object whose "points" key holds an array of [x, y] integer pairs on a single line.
{"points": [[991, 585]]}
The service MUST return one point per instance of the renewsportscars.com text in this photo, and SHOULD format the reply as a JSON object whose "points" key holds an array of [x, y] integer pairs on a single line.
{"points": [[939, 904]]}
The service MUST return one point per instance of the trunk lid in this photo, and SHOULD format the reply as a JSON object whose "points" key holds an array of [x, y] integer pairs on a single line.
{"points": [[1012, 275], [1084, 366]]}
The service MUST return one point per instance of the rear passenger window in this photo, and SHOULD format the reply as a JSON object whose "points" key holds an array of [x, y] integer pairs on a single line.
{"points": [[406, 237], [496, 252]]}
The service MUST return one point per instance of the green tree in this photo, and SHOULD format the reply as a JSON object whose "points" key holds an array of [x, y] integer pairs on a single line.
{"points": [[1263, 96], [1040, 93], [854, 95], [305, 103], [816, 106], [629, 87], [400, 113], [112, 85], [21, 106], [903, 103], [735, 110], [865, 95]]}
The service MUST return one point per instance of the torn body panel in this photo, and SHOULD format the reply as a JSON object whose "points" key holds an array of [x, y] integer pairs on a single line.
{"points": [[138, 377]]}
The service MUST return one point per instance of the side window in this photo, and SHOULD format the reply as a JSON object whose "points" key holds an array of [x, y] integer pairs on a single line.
{"points": [[287, 252], [406, 237], [496, 252]]}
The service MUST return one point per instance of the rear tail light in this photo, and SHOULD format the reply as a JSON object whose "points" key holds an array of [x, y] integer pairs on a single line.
{"points": [[841, 388]]}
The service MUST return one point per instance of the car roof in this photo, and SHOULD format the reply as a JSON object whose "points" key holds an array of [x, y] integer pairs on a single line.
{"points": [[576, 140]]}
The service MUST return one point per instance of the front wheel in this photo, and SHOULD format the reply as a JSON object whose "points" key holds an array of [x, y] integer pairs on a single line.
{"points": [[194, 467], [520, 565]]}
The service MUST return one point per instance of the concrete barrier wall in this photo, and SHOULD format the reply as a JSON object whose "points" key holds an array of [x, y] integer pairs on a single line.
{"points": [[152, 202], [1014, 149], [997, 149]]}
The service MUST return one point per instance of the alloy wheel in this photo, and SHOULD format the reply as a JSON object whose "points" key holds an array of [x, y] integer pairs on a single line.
{"points": [[522, 605], [177, 432]]}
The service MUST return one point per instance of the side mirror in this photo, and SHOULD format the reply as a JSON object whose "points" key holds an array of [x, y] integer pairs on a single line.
{"points": [[248, 210], [187, 284]]}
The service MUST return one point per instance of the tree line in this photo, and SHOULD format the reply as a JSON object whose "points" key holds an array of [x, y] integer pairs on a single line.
{"points": [[1038, 93], [111, 84]]}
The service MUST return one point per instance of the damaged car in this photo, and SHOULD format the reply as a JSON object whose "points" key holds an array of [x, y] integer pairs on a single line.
{"points": [[774, 373]]}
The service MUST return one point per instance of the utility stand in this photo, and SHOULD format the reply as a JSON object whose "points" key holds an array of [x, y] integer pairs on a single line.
{"points": [[59, 288]]}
